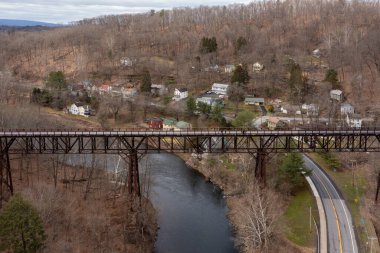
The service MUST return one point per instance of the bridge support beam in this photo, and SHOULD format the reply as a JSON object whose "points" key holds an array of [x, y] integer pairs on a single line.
{"points": [[378, 187], [6, 184], [260, 166], [133, 179]]}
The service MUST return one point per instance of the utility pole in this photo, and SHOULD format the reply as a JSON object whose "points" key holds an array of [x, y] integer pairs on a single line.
{"points": [[353, 173], [378, 187], [310, 219]]}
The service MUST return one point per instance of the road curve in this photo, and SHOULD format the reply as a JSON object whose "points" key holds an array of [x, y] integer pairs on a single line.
{"points": [[341, 236]]}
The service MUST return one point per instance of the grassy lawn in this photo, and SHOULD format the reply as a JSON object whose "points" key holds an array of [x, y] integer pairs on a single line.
{"points": [[296, 219], [229, 165], [352, 194]]}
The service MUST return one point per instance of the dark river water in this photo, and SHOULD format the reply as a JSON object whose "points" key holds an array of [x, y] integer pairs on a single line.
{"points": [[191, 211]]}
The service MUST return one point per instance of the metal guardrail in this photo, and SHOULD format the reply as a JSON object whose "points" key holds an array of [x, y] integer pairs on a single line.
{"points": [[198, 130]]}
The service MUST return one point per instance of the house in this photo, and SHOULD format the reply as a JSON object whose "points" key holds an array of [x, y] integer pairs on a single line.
{"points": [[212, 68], [336, 95], [169, 124], [310, 109], [128, 92], [155, 123], [180, 93], [80, 109], [127, 62], [229, 68], [87, 85], [275, 123], [105, 88], [209, 100], [116, 91], [316, 53], [346, 108], [257, 67], [290, 109], [354, 120], [158, 89], [219, 88], [182, 125], [94, 89], [253, 101]]}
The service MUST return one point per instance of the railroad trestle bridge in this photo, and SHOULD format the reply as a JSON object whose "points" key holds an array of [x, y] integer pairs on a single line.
{"points": [[133, 143]]}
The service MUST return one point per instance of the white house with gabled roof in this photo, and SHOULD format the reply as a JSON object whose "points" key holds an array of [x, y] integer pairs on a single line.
{"points": [[336, 95], [180, 93], [219, 88], [80, 109], [346, 108]]}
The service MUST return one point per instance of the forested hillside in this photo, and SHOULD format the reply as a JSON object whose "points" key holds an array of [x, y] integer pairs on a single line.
{"points": [[168, 44]]}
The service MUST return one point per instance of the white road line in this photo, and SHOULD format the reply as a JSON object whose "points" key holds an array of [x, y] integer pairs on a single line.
{"points": [[322, 217]]}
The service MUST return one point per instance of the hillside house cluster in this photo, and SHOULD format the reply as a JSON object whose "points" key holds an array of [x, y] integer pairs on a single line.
{"points": [[167, 124], [125, 91], [215, 96]]}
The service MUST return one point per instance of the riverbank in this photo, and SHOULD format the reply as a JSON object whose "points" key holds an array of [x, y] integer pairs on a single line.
{"points": [[230, 173]]}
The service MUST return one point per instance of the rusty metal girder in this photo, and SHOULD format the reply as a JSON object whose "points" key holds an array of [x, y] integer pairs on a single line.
{"points": [[219, 142]]}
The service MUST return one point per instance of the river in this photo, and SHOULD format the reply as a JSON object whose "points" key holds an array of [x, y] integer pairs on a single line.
{"points": [[192, 213]]}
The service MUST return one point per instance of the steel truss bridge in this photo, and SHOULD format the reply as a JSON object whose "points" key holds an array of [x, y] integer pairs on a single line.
{"points": [[132, 143]]}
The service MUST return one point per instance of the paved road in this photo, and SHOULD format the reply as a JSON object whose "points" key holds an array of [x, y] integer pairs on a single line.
{"points": [[341, 236], [259, 120], [263, 110]]}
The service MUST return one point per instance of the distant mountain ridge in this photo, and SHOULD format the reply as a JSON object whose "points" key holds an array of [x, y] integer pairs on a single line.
{"points": [[18, 22]]}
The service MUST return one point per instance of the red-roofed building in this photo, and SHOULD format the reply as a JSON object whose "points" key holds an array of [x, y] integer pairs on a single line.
{"points": [[155, 123]]}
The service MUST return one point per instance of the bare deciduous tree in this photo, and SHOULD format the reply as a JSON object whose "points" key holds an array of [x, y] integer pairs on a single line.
{"points": [[256, 216]]}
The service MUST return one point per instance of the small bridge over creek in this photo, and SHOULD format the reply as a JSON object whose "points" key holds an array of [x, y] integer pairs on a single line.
{"points": [[133, 143]]}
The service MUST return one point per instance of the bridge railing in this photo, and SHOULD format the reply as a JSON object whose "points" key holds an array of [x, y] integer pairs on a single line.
{"points": [[203, 131]]}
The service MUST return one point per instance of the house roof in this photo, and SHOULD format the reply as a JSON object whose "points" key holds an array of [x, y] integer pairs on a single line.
{"points": [[104, 87], [336, 92], [183, 124], [78, 104], [254, 100], [220, 85], [155, 120], [182, 89], [169, 122], [274, 120], [158, 86]]}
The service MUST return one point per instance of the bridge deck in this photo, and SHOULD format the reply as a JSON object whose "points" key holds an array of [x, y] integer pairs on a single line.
{"points": [[194, 140]]}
